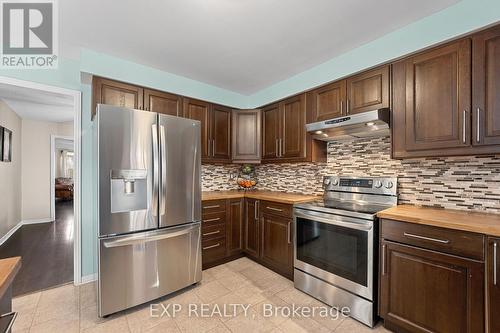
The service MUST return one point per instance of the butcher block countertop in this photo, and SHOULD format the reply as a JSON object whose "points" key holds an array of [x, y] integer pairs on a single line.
{"points": [[281, 197], [8, 270], [482, 223]]}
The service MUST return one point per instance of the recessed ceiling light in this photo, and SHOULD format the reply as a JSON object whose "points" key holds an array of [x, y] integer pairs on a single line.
{"points": [[371, 123], [319, 132]]}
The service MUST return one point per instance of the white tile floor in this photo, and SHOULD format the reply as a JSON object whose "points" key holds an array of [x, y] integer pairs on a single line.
{"points": [[70, 309]]}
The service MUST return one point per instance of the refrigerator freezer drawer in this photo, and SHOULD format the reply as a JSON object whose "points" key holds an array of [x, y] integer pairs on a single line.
{"points": [[137, 268]]}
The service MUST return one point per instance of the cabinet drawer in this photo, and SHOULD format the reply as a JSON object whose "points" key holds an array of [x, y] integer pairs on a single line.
{"points": [[213, 218], [213, 206], [269, 207], [213, 231], [213, 249], [450, 241]]}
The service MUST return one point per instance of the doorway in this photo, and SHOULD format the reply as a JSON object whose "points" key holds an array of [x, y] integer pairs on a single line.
{"points": [[47, 233]]}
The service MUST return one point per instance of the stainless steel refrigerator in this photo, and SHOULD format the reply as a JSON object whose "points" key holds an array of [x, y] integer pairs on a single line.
{"points": [[149, 206]]}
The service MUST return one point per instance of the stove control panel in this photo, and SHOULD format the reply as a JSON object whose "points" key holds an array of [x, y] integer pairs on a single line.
{"points": [[369, 185]]}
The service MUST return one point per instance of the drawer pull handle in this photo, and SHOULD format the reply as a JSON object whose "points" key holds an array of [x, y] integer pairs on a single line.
{"points": [[211, 233], [442, 241], [495, 263], [211, 246], [214, 206], [211, 220], [275, 209]]}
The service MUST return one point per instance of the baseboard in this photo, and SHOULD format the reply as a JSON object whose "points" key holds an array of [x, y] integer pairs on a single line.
{"points": [[19, 225], [10, 232], [88, 278], [35, 221]]}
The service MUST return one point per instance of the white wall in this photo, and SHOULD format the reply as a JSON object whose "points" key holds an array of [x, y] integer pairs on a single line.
{"points": [[36, 166], [10, 173]]}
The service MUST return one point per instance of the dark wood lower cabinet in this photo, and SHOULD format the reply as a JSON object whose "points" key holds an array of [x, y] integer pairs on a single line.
{"points": [[493, 285], [251, 232], [428, 290], [277, 245], [235, 227], [234, 230]]}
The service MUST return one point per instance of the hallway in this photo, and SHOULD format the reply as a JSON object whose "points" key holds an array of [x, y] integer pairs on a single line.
{"points": [[46, 250]]}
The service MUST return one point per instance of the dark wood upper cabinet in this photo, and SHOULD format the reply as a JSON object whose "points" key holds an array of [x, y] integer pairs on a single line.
{"points": [[493, 287], [277, 247], [251, 230], [115, 93], [270, 131], [220, 134], [162, 102], [246, 140], [215, 128], [293, 123], [328, 102], [284, 134], [432, 102], [368, 91], [486, 87], [200, 110]]}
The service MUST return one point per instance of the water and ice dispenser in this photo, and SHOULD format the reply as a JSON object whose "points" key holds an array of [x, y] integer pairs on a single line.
{"points": [[128, 190]]}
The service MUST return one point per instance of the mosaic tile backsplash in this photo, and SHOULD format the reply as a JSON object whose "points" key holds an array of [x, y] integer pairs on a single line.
{"points": [[467, 183]]}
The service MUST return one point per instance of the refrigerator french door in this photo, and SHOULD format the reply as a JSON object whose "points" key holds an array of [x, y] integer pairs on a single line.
{"points": [[149, 206]]}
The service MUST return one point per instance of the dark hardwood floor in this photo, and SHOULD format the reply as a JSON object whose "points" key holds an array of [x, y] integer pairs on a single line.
{"points": [[46, 250]]}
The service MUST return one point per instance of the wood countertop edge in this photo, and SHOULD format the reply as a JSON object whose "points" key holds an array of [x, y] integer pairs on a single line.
{"points": [[9, 268], [280, 197], [487, 224]]}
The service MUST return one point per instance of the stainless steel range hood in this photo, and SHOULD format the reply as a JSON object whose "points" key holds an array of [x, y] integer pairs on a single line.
{"points": [[362, 125]]}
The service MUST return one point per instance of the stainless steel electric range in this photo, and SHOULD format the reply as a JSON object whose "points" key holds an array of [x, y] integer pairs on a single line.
{"points": [[336, 241]]}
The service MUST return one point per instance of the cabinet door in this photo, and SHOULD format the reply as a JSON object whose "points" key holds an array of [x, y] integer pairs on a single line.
{"points": [[493, 290], [234, 226], [116, 93], [246, 142], [199, 110], [270, 131], [162, 102], [293, 122], [328, 102], [486, 87], [221, 133], [368, 91], [438, 98], [251, 232], [276, 239], [426, 291]]}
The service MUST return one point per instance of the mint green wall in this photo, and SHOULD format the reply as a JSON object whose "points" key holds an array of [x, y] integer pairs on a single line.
{"points": [[461, 18], [119, 69]]}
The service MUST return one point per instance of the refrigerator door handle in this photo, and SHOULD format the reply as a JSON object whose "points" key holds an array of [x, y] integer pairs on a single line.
{"points": [[154, 205], [163, 191], [155, 236], [195, 154]]}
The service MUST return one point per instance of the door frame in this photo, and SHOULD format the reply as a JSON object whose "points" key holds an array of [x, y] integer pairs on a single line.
{"points": [[77, 134], [53, 139]]}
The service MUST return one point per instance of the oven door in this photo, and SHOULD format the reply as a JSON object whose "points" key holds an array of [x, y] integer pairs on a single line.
{"points": [[336, 249]]}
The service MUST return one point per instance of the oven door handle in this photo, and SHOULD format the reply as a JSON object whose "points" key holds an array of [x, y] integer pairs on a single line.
{"points": [[335, 220]]}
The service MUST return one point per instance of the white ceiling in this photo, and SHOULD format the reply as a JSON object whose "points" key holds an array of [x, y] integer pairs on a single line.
{"points": [[240, 45], [36, 104]]}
